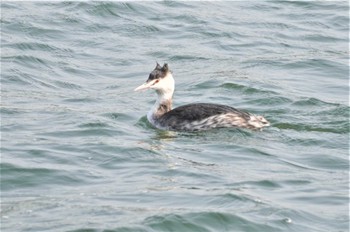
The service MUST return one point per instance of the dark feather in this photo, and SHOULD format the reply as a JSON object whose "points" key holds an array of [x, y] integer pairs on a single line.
{"points": [[198, 112]]}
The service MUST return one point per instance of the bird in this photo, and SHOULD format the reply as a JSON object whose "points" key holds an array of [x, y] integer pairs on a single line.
{"points": [[194, 116]]}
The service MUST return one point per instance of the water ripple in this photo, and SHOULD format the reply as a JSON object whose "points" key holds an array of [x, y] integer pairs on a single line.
{"points": [[75, 139]]}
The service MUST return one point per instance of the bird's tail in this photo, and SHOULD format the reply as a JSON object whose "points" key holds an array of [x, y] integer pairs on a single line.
{"points": [[257, 122]]}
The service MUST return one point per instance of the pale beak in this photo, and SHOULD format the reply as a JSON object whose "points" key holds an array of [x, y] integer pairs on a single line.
{"points": [[146, 85]]}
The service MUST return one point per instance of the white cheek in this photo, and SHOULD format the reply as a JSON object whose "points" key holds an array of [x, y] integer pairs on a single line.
{"points": [[166, 84]]}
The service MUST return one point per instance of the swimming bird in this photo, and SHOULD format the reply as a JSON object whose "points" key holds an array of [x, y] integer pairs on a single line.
{"points": [[192, 117]]}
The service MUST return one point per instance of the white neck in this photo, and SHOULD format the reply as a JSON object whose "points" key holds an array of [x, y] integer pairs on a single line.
{"points": [[163, 103], [164, 96]]}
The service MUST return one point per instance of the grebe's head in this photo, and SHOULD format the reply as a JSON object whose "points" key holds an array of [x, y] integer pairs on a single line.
{"points": [[160, 79]]}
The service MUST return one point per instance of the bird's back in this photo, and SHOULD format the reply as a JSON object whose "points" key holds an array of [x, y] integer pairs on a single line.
{"points": [[199, 116]]}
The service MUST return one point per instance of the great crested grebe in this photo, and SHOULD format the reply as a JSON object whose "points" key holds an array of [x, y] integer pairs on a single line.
{"points": [[192, 117]]}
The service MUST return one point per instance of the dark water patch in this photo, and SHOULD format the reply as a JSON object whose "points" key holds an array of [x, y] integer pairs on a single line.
{"points": [[189, 174], [68, 20], [316, 107], [338, 112], [190, 19], [323, 38], [262, 62], [17, 177], [130, 29], [116, 116], [314, 8], [311, 114], [83, 133], [325, 161], [255, 151], [263, 7], [16, 77], [76, 71], [67, 85], [213, 33], [35, 46], [131, 229], [11, 111], [262, 184], [206, 84], [28, 61], [187, 58], [279, 27], [237, 201], [27, 79], [176, 4], [37, 156], [81, 100], [94, 125], [312, 102], [196, 163], [306, 142], [123, 158], [97, 28], [114, 87], [208, 221], [94, 230], [104, 10], [339, 22], [293, 182], [158, 54], [323, 199], [245, 89], [145, 124], [271, 101], [172, 223], [319, 65], [40, 32], [310, 128], [297, 165], [220, 134], [135, 8]]}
